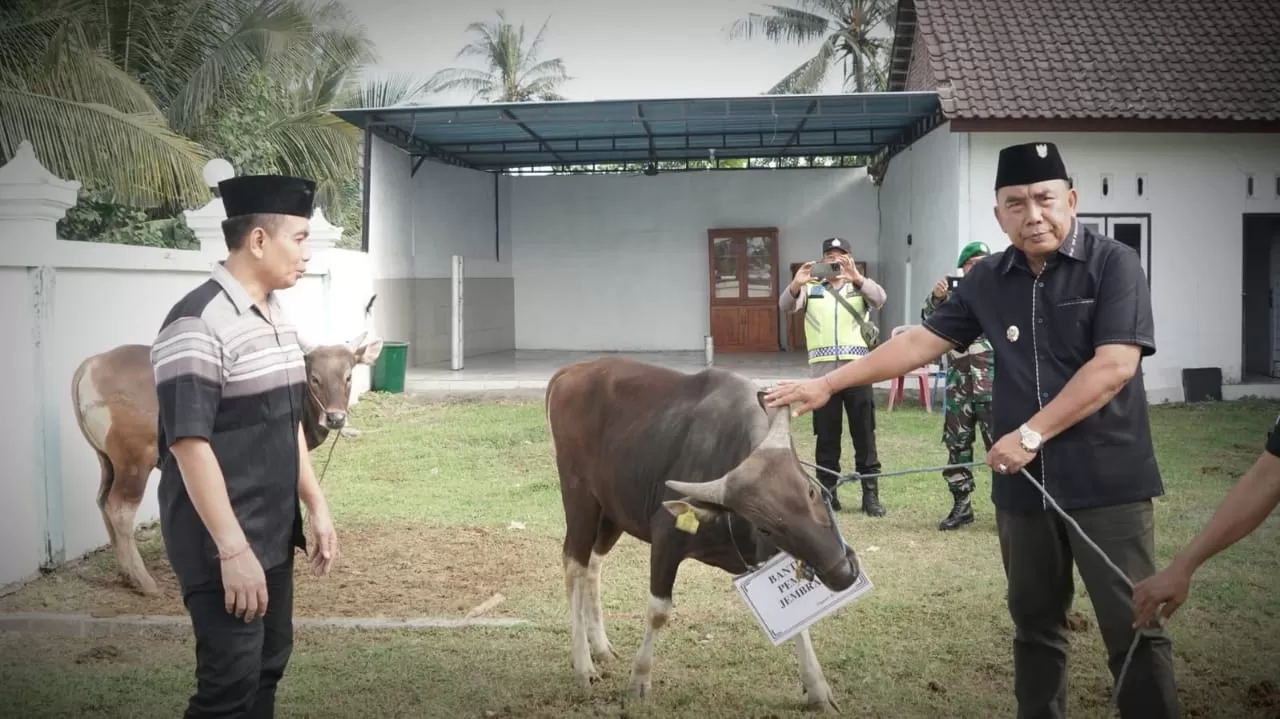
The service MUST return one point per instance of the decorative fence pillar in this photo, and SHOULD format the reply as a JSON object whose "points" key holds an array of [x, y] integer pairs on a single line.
{"points": [[32, 200]]}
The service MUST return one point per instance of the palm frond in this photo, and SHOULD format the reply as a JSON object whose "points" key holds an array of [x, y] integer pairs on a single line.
{"points": [[546, 75], [785, 25], [266, 37], [314, 144], [135, 154], [809, 76], [462, 78], [395, 89]]}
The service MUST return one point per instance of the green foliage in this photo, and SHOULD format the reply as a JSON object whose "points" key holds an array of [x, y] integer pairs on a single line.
{"points": [[235, 132], [513, 72], [842, 27], [168, 84], [100, 217]]}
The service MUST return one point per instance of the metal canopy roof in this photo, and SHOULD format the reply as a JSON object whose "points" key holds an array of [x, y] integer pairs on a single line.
{"points": [[504, 136]]}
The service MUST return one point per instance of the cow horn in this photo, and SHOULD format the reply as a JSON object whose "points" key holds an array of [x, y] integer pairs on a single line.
{"points": [[779, 429], [712, 492]]}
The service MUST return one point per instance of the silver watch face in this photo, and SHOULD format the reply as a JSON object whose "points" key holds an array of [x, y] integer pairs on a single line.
{"points": [[1030, 438]]}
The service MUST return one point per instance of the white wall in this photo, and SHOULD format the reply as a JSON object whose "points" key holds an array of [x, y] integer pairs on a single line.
{"points": [[616, 262], [390, 230], [21, 473], [102, 296], [454, 213], [417, 223], [920, 196], [1195, 193]]}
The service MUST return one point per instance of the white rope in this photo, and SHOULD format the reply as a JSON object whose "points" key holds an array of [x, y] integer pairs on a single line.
{"points": [[1124, 669], [1137, 635]]}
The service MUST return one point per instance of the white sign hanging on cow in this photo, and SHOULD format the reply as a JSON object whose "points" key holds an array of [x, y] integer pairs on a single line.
{"points": [[785, 604]]}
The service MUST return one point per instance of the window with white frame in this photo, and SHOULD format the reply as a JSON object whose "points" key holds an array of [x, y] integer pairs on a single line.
{"points": [[1132, 230]]}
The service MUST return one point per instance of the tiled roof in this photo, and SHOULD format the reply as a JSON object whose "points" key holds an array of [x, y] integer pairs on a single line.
{"points": [[1112, 59]]}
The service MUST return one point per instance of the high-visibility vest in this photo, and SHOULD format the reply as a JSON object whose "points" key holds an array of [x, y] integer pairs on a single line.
{"points": [[830, 331]]}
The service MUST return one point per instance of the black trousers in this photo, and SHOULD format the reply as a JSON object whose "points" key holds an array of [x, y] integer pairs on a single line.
{"points": [[1038, 548], [859, 404], [238, 665]]}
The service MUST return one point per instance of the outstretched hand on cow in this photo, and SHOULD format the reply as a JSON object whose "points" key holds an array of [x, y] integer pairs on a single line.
{"points": [[810, 394]]}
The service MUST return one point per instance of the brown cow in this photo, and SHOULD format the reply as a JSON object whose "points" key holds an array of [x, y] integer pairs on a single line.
{"points": [[113, 395], [637, 445]]}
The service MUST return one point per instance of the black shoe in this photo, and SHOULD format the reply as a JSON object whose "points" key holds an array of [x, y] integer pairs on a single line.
{"points": [[871, 498], [961, 514]]}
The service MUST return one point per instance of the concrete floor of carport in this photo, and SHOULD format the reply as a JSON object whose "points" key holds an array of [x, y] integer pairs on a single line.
{"points": [[524, 373]]}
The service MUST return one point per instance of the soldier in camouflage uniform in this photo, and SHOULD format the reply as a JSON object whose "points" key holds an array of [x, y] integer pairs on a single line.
{"points": [[968, 399]]}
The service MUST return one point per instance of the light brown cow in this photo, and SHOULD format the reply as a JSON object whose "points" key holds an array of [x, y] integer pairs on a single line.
{"points": [[113, 395]]}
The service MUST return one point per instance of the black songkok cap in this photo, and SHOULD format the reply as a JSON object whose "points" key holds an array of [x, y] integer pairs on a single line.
{"points": [[276, 194], [1030, 163]]}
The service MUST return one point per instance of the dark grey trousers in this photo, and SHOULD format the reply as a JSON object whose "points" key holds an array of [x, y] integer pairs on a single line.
{"points": [[239, 665], [1038, 549]]}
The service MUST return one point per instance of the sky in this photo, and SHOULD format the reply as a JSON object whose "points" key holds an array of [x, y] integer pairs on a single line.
{"points": [[610, 48]]}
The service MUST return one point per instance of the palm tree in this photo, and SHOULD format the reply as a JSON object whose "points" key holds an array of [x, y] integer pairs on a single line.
{"points": [[132, 97], [86, 117], [843, 26], [169, 83], [514, 73]]}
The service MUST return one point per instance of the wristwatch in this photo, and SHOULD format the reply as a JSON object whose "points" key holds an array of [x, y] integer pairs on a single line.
{"points": [[1031, 439]]}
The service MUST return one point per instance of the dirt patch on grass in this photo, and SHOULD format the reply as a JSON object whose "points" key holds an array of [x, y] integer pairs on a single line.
{"points": [[398, 571]]}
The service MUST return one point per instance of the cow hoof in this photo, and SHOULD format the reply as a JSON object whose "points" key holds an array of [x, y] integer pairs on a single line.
{"points": [[147, 587], [604, 654], [823, 700], [589, 678], [639, 690]]}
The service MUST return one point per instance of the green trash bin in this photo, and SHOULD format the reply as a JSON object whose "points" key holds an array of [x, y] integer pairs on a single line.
{"points": [[389, 369]]}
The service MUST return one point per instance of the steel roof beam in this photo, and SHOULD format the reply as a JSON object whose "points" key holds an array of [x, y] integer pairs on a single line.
{"points": [[531, 133]]}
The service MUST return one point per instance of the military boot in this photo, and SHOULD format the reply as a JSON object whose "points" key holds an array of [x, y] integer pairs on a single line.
{"points": [[832, 490], [961, 513], [871, 497]]}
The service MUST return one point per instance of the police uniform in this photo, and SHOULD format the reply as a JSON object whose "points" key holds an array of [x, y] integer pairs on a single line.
{"points": [[1102, 471], [968, 406], [834, 337], [234, 376]]}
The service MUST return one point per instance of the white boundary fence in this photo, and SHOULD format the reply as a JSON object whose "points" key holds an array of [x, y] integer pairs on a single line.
{"points": [[64, 301]]}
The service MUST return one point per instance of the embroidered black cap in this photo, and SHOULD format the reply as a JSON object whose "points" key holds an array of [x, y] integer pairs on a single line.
{"points": [[1030, 163], [277, 194], [835, 243]]}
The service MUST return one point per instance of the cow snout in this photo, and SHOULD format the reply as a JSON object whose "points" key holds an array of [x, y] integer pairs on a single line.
{"points": [[844, 574], [335, 420]]}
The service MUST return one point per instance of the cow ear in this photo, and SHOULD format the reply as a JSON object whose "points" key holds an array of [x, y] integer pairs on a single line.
{"points": [[703, 512], [368, 352]]}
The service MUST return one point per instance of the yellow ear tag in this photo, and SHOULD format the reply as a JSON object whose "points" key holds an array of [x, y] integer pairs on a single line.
{"points": [[687, 521]]}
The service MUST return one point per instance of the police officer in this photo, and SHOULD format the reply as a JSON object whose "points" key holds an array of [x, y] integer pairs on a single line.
{"points": [[230, 380], [1254, 497], [1068, 314], [968, 399], [836, 336]]}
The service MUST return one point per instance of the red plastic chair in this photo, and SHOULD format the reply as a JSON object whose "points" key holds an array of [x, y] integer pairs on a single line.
{"points": [[897, 386]]}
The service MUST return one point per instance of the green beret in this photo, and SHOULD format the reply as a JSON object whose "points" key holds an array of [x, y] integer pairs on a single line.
{"points": [[971, 250]]}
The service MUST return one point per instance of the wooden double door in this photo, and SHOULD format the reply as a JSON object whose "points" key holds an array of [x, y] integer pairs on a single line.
{"points": [[744, 288]]}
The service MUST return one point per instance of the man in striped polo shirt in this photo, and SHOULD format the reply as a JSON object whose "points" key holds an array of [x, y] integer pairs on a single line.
{"points": [[230, 378]]}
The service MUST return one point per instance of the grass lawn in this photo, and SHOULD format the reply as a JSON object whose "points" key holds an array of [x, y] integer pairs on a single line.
{"points": [[440, 506]]}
